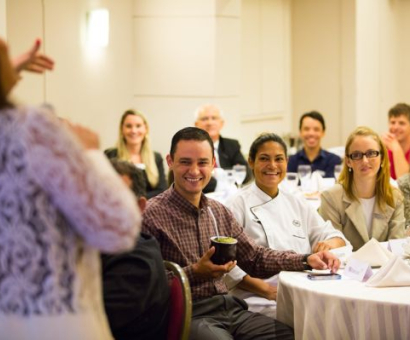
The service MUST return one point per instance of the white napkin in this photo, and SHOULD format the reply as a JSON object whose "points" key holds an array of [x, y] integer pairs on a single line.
{"points": [[395, 273], [373, 253]]}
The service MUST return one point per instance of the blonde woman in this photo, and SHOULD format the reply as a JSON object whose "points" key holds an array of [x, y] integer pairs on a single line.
{"points": [[364, 205], [134, 146]]}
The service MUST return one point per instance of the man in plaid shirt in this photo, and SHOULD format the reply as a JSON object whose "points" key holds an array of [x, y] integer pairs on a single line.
{"points": [[183, 220]]}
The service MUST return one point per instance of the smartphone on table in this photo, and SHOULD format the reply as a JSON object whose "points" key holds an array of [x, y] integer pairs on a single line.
{"points": [[324, 276]]}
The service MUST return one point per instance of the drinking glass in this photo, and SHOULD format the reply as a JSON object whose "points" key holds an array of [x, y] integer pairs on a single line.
{"points": [[338, 170], [304, 172], [239, 173], [293, 179]]}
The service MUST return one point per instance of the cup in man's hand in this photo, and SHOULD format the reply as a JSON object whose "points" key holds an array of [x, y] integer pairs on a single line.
{"points": [[225, 249]]}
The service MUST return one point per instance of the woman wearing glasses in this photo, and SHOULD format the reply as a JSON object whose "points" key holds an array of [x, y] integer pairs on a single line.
{"points": [[364, 205]]}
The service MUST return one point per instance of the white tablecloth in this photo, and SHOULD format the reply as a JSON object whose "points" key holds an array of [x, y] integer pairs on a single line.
{"points": [[342, 309]]}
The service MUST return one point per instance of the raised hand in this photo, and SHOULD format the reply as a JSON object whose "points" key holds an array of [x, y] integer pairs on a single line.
{"points": [[33, 60], [206, 268]]}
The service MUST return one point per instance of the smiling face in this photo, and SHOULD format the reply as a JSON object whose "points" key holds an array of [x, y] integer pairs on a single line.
{"points": [[210, 120], [365, 168], [133, 130], [269, 167], [192, 165], [311, 133], [400, 127]]}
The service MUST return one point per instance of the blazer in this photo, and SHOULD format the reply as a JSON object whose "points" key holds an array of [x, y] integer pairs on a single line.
{"points": [[162, 183], [229, 152], [136, 293], [347, 215]]}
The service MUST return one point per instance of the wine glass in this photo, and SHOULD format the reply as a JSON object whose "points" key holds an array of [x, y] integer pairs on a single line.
{"points": [[304, 172], [338, 170], [292, 179], [239, 173]]}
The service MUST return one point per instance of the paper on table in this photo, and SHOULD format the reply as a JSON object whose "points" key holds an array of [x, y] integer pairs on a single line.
{"points": [[373, 253], [395, 273]]}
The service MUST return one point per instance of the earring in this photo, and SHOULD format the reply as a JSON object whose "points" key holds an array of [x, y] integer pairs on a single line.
{"points": [[350, 169]]}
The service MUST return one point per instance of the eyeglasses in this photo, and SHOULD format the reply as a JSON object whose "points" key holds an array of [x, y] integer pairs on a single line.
{"points": [[357, 155]]}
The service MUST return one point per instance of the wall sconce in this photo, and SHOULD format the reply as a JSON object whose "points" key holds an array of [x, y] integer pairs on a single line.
{"points": [[98, 27]]}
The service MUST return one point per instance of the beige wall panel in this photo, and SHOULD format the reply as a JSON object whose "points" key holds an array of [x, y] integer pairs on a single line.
{"points": [[174, 56], [20, 38], [92, 87], [348, 69], [178, 8], [316, 63], [251, 54], [266, 69], [368, 45], [273, 48], [227, 57], [403, 14], [3, 19]]}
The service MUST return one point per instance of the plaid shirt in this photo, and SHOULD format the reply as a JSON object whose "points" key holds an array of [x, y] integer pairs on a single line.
{"points": [[184, 233]]}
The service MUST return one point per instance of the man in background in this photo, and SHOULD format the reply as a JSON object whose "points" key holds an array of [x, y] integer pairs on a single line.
{"points": [[135, 285], [397, 140], [312, 129], [227, 151]]}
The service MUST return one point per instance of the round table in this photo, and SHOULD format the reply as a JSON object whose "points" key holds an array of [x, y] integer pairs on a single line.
{"points": [[342, 309]]}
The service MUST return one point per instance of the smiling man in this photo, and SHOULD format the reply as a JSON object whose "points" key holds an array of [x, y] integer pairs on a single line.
{"points": [[312, 129], [397, 140], [183, 220]]}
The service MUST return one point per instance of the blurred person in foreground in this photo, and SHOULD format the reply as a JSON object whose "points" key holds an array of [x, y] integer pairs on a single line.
{"points": [[183, 220], [61, 203], [275, 218], [364, 205], [135, 285], [134, 145]]}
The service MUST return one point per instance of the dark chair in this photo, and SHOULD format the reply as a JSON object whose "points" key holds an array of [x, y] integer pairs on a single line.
{"points": [[180, 309]]}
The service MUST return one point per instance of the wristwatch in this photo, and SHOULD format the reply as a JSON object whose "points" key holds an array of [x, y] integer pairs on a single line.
{"points": [[305, 262]]}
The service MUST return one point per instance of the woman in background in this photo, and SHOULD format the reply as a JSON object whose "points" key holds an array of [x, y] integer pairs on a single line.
{"points": [[364, 205], [61, 202], [134, 146]]}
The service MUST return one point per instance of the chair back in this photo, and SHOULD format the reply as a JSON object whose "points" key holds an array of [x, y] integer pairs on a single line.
{"points": [[180, 309]]}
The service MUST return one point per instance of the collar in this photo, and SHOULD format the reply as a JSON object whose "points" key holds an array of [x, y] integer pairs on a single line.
{"points": [[182, 203], [263, 196], [322, 154]]}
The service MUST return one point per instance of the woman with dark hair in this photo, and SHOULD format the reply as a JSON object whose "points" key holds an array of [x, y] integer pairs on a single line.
{"points": [[61, 202], [364, 205], [275, 218], [134, 146]]}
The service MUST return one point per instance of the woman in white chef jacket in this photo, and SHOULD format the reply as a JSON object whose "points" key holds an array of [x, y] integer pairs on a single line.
{"points": [[275, 218]]}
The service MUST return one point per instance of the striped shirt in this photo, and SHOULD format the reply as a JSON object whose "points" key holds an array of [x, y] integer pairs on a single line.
{"points": [[184, 231]]}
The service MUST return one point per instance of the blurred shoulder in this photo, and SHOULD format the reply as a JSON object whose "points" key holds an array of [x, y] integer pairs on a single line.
{"points": [[111, 152]]}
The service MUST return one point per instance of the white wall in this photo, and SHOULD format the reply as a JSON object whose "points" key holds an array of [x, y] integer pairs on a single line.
{"points": [[88, 86], [3, 19], [265, 62], [317, 62], [232, 53]]}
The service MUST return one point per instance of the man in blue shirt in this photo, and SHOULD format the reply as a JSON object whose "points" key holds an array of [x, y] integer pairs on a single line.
{"points": [[312, 129]]}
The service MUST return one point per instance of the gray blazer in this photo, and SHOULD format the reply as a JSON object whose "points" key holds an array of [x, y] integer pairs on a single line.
{"points": [[347, 215]]}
